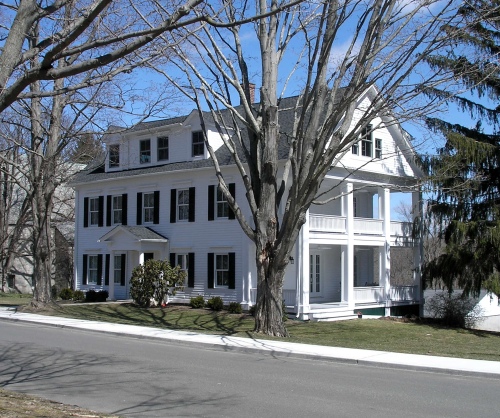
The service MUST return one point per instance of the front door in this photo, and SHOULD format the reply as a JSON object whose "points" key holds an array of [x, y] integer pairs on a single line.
{"points": [[314, 274]]}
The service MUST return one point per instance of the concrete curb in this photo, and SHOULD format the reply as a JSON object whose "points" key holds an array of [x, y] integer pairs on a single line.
{"points": [[372, 358]]}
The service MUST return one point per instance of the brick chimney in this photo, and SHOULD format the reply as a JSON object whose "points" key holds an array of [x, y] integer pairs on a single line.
{"points": [[251, 87]]}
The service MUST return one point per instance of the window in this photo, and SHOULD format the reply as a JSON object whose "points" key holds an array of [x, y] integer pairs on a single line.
{"points": [[182, 260], [218, 206], [222, 205], [221, 270], [92, 269], [366, 141], [148, 207], [94, 211], [163, 148], [183, 205], [117, 269], [378, 148], [114, 156], [116, 210], [355, 148], [355, 206], [198, 144], [145, 151]]}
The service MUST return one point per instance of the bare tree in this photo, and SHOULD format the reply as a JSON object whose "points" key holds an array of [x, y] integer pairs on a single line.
{"points": [[328, 54]]}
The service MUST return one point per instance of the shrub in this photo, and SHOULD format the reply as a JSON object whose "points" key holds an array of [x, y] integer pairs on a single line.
{"points": [[53, 291], [215, 303], [66, 294], [78, 296], [454, 310], [197, 302], [152, 281], [235, 308], [96, 296]]}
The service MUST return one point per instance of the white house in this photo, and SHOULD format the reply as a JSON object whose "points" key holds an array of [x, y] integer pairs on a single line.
{"points": [[155, 196]]}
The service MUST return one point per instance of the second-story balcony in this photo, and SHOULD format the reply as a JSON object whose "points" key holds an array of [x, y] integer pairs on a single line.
{"points": [[401, 232]]}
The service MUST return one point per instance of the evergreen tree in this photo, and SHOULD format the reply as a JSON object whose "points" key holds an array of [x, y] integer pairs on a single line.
{"points": [[465, 174]]}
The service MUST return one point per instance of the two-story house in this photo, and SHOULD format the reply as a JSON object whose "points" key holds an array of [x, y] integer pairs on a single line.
{"points": [[156, 196]]}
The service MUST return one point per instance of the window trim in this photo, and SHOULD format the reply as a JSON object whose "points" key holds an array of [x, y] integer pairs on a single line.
{"points": [[146, 152], [184, 205], [195, 136], [162, 149], [114, 156], [222, 270], [115, 210], [367, 141]]}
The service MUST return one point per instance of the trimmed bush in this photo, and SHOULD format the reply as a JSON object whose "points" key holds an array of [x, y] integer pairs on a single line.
{"points": [[93, 296], [197, 302], [78, 296], [152, 281], [215, 303], [66, 294], [234, 308]]}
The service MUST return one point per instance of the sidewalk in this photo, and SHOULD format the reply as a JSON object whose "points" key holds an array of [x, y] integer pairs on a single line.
{"points": [[446, 365]]}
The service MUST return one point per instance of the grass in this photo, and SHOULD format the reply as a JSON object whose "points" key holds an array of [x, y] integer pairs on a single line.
{"points": [[401, 336], [14, 299]]}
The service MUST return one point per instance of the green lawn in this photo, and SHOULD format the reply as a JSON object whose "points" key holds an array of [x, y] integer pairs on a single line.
{"points": [[14, 299], [374, 334]]}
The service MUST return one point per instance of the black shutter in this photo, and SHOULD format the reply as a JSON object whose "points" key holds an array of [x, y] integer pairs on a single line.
{"points": [[108, 210], [106, 270], [101, 210], [85, 264], [232, 275], [156, 215], [232, 190], [124, 209], [210, 270], [99, 269], [173, 205], [139, 208], [85, 212], [211, 202], [192, 204], [191, 270], [122, 269], [172, 260]]}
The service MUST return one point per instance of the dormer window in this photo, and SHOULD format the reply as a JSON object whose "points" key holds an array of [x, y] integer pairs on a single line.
{"points": [[163, 148], [114, 156], [198, 144], [145, 151]]}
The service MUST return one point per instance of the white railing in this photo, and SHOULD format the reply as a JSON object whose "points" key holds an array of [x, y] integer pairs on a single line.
{"points": [[288, 295], [327, 223], [368, 226], [367, 294], [401, 229], [404, 293]]}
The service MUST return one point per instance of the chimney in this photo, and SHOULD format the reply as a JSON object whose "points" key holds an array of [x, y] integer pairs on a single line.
{"points": [[251, 87]]}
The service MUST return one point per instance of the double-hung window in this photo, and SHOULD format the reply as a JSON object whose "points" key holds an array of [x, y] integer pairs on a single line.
{"points": [[378, 148], [114, 156], [94, 211], [148, 207], [183, 205], [183, 263], [221, 270], [198, 149], [117, 269], [162, 148], [145, 151], [222, 205], [92, 269], [117, 209], [367, 141]]}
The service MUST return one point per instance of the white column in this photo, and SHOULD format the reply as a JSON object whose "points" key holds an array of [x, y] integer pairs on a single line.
{"points": [[418, 247], [303, 271], [385, 211], [111, 272], [348, 250]]}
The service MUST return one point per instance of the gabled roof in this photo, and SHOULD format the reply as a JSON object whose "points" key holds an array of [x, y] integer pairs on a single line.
{"points": [[137, 233]]}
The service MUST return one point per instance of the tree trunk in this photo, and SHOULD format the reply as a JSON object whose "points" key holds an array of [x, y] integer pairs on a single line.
{"points": [[269, 307]]}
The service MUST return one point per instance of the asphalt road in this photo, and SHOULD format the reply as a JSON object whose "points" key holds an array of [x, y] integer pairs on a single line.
{"points": [[142, 378]]}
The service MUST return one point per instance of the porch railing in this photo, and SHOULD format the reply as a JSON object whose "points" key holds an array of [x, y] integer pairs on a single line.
{"points": [[404, 293], [369, 226], [368, 294]]}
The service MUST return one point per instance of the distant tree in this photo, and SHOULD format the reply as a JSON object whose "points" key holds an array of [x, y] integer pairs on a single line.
{"points": [[465, 174]]}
